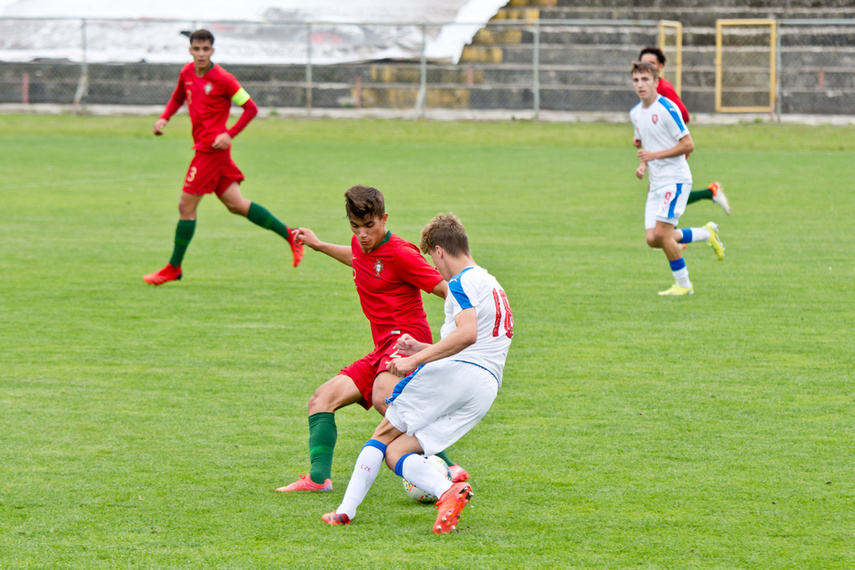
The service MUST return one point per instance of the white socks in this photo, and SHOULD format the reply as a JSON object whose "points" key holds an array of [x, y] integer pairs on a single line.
{"points": [[691, 235], [365, 471], [682, 278], [420, 473]]}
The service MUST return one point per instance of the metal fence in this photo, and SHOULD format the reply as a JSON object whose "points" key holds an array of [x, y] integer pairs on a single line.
{"points": [[517, 66], [816, 66], [746, 65]]}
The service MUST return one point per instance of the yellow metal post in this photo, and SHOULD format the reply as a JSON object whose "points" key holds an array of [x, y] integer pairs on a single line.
{"points": [[677, 66], [719, 71], [718, 66]]}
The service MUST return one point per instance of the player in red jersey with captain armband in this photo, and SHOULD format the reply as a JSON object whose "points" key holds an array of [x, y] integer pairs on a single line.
{"points": [[209, 91]]}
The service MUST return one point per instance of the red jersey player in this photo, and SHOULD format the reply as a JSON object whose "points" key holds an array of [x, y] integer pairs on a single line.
{"points": [[390, 274], [656, 56], [209, 91]]}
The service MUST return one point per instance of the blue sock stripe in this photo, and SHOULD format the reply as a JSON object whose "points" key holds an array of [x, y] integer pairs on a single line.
{"points": [[677, 264], [687, 236], [399, 466], [374, 443]]}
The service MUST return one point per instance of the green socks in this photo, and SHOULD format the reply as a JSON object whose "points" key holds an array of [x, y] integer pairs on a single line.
{"points": [[183, 235], [444, 456], [260, 216], [257, 215], [696, 195], [322, 436]]}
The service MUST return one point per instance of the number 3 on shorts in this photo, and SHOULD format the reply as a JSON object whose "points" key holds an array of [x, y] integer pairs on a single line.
{"points": [[192, 174]]}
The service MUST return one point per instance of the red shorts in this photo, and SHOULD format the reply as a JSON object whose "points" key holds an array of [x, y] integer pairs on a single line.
{"points": [[366, 369], [211, 172]]}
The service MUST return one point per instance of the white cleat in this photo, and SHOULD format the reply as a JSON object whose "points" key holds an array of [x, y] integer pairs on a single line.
{"points": [[719, 198]]}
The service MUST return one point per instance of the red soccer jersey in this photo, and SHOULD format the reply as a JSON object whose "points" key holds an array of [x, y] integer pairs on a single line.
{"points": [[667, 90], [209, 99], [389, 281]]}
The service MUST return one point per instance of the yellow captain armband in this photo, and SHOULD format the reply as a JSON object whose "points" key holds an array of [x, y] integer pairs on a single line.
{"points": [[241, 97]]}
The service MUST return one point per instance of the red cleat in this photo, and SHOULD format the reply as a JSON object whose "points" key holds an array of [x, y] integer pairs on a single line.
{"points": [[450, 505], [296, 246], [305, 483], [168, 273], [336, 519], [458, 473], [297, 250]]}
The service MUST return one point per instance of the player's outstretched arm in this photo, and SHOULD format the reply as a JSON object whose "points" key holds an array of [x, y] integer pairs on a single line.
{"points": [[464, 335], [340, 252]]}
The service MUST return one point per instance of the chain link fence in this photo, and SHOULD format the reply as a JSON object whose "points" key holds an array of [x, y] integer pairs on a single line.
{"points": [[816, 66], [518, 66]]}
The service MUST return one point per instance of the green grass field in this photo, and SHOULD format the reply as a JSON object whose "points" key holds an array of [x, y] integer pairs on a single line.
{"points": [[147, 427]]}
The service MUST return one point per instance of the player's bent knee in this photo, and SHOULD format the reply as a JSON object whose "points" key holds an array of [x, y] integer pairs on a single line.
{"points": [[379, 403], [235, 208], [334, 394], [656, 238], [320, 402]]}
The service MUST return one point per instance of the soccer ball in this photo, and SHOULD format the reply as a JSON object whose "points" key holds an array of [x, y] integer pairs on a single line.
{"points": [[419, 495]]}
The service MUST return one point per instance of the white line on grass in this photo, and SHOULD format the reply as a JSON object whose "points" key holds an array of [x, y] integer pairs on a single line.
{"points": [[83, 182]]}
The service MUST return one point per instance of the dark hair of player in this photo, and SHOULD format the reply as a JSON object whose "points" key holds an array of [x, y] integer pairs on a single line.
{"points": [[445, 231], [645, 67], [202, 36], [364, 203], [660, 55]]}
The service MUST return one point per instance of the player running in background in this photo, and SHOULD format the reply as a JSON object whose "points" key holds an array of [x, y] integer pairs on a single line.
{"points": [[389, 274], [448, 386], [665, 141], [714, 191], [209, 92]]}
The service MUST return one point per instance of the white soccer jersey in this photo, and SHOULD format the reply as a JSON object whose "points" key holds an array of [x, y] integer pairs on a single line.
{"points": [[660, 127], [475, 288]]}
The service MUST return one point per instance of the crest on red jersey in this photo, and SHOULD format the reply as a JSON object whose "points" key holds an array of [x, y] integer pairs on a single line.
{"points": [[378, 267], [655, 119], [209, 87]]}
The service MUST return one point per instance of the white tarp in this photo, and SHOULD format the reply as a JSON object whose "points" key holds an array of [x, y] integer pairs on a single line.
{"points": [[246, 31]]}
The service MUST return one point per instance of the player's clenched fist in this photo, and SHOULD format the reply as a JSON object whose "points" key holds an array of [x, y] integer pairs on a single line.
{"points": [[306, 237], [158, 126], [401, 366], [408, 346]]}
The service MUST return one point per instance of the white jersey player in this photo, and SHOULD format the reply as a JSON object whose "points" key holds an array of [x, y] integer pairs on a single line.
{"points": [[660, 126], [665, 141], [447, 387]]}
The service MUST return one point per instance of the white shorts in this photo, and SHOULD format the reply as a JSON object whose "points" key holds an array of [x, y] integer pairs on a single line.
{"points": [[666, 204], [441, 401]]}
